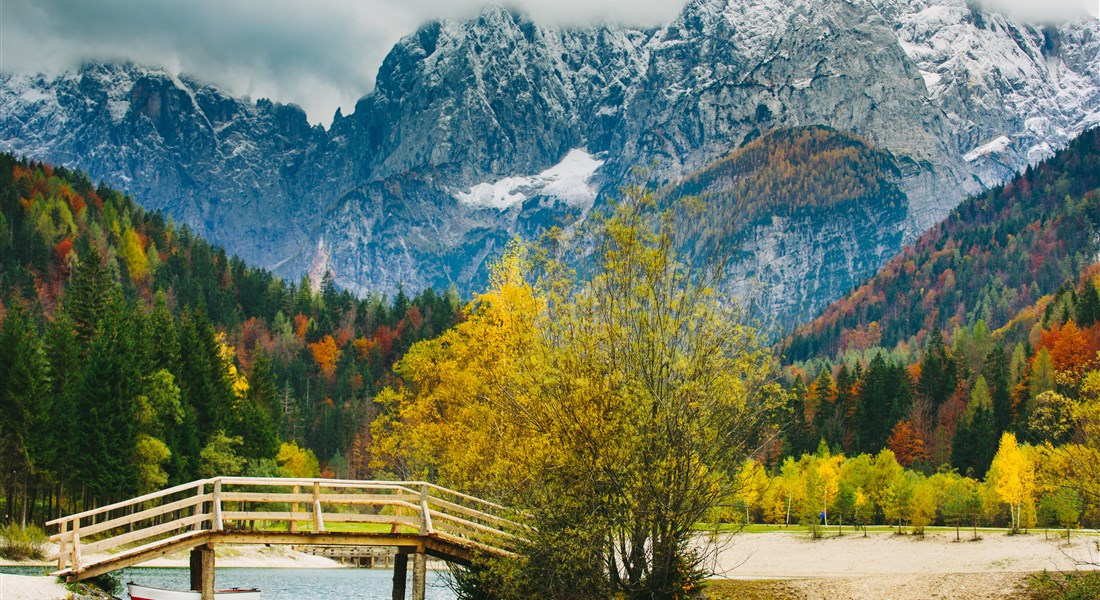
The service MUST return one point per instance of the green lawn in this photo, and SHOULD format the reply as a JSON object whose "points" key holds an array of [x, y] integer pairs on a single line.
{"points": [[832, 530]]}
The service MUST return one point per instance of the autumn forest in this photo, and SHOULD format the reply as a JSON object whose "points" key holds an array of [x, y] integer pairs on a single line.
{"points": [[958, 386]]}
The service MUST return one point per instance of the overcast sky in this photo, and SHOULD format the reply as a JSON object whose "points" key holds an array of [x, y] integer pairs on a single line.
{"points": [[319, 54]]}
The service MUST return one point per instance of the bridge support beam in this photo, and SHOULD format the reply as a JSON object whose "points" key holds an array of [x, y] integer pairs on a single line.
{"points": [[400, 570], [202, 570], [420, 573]]}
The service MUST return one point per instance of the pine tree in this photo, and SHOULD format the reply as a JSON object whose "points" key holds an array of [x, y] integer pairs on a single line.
{"points": [[938, 372], [162, 338], [86, 300], [106, 403], [799, 435], [998, 373], [202, 378], [257, 425], [1088, 305], [874, 408], [24, 402], [65, 357]]}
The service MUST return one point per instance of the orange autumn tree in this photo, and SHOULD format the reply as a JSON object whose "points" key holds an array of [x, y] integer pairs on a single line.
{"points": [[326, 354], [906, 443], [1071, 351]]}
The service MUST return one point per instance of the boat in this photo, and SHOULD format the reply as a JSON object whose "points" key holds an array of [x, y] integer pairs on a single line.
{"points": [[144, 592]]}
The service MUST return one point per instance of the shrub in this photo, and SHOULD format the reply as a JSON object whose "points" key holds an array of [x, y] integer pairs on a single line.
{"points": [[22, 543], [110, 583], [1071, 585]]}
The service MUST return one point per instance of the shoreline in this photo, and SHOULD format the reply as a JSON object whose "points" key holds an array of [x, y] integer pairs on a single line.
{"points": [[230, 556], [226, 556]]}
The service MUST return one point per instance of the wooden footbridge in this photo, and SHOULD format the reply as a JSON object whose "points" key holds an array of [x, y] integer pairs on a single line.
{"points": [[415, 517]]}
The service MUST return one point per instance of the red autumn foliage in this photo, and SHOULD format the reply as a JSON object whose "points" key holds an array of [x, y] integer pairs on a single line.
{"points": [[906, 444]]}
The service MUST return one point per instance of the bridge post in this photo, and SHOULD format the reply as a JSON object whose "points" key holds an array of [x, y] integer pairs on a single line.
{"points": [[400, 570], [420, 573], [292, 525], [216, 507], [61, 550], [202, 570]]}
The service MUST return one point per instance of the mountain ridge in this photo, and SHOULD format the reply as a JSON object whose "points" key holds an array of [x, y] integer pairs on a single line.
{"points": [[376, 198]]}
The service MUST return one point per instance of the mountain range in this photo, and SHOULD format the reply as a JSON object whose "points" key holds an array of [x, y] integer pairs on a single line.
{"points": [[481, 130]]}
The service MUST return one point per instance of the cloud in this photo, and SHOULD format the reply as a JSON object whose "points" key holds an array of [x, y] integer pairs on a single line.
{"points": [[1044, 11], [319, 54]]}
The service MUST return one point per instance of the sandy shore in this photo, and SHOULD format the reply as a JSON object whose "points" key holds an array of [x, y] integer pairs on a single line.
{"points": [[25, 587], [899, 567], [771, 555]]}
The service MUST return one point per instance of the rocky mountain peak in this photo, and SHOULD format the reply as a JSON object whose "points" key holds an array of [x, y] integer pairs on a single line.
{"points": [[496, 126]]}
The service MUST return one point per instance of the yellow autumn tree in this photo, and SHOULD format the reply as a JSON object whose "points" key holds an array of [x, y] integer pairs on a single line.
{"points": [[228, 357], [298, 462], [133, 254], [451, 419], [616, 410], [822, 481], [1076, 464], [752, 483], [1012, 475]]}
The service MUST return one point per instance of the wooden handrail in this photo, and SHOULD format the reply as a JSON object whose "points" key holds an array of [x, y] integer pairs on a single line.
{"points": [[147, 497], [418, 506]]}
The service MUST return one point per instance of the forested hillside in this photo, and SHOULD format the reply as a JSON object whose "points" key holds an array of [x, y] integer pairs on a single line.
{"points": [[133, 354], [811, 205], [990, 323], [995, 255], [785, 170]]}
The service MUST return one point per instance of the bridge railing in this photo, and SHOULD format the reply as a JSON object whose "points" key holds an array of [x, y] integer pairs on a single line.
{"points": [[295, 506]]}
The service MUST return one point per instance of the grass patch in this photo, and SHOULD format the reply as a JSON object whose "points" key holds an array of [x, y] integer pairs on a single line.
{"points": [[1072, 585], [22, 543], [749, 589]]}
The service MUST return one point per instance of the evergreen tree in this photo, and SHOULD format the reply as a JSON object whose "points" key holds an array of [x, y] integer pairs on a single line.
{"points": [[65, 357], [106, 404], [203, 381], [823, 401], [87, 298], [874, 407], [996, 372], [799, 434], [976, 436], [24, 402], [1088, 305], [257, 426], [161, 337], [938, 372], [847, 399]]}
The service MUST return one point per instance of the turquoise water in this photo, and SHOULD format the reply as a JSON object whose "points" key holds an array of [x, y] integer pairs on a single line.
{"points": [[285, 584]]}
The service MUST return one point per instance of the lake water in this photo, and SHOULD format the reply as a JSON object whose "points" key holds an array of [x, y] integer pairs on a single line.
{"points": [[285, 584]]}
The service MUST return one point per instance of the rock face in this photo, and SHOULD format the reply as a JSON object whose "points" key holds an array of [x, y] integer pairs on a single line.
{"points": [[481, 130]]}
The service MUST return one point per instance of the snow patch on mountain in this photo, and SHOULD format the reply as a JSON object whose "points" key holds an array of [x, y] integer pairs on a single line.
{"points": [[569, 181], [997, 146]]}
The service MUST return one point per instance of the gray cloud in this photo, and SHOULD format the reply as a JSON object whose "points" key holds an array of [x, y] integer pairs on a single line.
{"points": [[319, 54], [1044, 11]]}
